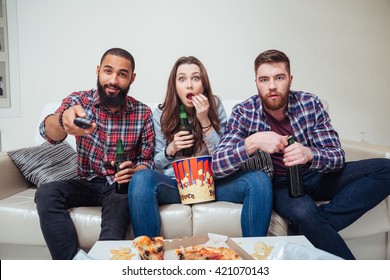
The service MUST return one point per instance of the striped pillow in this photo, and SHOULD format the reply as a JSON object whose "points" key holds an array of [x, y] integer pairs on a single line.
{"points": [[46, 163], [259, 161]]}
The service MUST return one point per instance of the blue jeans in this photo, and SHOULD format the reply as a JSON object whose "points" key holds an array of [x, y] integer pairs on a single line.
{"points": [[55, 198], [149, 188], [354, 190]]}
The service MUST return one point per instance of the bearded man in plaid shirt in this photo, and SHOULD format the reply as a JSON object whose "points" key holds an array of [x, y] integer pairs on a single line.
{"points": [[264, 121], [114, 115]]}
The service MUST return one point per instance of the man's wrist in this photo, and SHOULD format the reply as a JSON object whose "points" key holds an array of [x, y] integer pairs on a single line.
{"points": [[60, 115]]}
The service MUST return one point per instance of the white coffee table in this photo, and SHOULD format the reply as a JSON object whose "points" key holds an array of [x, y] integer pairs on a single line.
{"points": [[101, 249], [248, 243]]}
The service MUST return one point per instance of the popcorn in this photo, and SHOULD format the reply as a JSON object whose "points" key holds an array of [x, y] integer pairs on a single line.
{"points": [[194, 179]]}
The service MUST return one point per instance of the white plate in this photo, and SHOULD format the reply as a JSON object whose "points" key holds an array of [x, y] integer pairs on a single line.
{"points": [[248, 243]]}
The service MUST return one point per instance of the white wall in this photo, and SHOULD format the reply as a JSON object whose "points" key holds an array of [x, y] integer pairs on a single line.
{"points": [[339, 50]]}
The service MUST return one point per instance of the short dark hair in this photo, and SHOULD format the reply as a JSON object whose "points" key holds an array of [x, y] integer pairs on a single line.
{"points": [[272, 56], [121, 53]]}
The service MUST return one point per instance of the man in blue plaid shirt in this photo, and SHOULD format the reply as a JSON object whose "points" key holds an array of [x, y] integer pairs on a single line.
{"points": [[264, 122]]}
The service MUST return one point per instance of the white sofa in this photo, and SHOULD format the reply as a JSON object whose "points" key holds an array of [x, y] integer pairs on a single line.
{"points": [[21, 237]]}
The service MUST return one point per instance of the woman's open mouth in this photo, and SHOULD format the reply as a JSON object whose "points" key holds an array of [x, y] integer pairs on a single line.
{"points": [[189, 96]]}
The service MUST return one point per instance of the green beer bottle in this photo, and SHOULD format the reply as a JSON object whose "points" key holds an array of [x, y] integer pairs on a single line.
{"points": [[119, 159], [294, 176], [185, 126]]}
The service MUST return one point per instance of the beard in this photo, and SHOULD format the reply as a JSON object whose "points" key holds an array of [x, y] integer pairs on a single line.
{"points": [[274, 104], [109, 100]]}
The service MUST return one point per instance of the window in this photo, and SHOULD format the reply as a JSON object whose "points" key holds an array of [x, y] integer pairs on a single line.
{"points": [[9, 60]]}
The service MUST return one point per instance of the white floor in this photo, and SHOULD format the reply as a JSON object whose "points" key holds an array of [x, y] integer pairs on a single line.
{"points": [[18, 252]]}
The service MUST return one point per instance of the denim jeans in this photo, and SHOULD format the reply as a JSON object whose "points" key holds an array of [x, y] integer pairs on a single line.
{"points": [[149, 188], [55, 198], [352, 191]]}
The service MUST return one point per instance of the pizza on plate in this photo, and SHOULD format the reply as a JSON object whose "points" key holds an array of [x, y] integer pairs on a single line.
{"points": [[149, 248], [200, 252]]}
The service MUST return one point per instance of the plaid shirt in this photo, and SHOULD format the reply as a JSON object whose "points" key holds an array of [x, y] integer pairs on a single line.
{"points": [[310, 123], [133, 124]]}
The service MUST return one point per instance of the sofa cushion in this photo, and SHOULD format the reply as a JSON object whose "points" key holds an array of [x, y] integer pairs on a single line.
{"points": [[218, 217], [224, 218], [176, 220], [20, 215], [45, 163], [19, 220]]}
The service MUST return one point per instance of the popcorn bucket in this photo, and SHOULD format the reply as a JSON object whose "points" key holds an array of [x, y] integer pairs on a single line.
{"points": [[194, 179]]}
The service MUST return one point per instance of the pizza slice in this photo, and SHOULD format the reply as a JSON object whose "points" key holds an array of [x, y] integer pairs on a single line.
{"points": [[199, 252], [149, 248]]}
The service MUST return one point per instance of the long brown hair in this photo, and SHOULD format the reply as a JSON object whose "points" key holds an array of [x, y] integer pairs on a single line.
{"points": [[171, 105]]}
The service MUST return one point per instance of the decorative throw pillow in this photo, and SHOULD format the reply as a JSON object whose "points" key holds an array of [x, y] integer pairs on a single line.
{"points": [[46, 163], [259, 161]]}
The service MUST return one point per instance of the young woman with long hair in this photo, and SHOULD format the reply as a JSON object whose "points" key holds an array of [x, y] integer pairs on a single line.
{"points": [[189, 86]]}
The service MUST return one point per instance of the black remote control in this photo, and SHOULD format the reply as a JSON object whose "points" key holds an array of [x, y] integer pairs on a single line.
{"points": [[82, 122]]}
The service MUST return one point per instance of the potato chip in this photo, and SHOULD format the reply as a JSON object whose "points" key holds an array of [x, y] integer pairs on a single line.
{"points": [[262, 250], [124, 253]]}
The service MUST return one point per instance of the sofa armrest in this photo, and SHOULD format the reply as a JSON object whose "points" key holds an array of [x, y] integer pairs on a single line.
{"points": [[12, 180], [355, 150]]}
